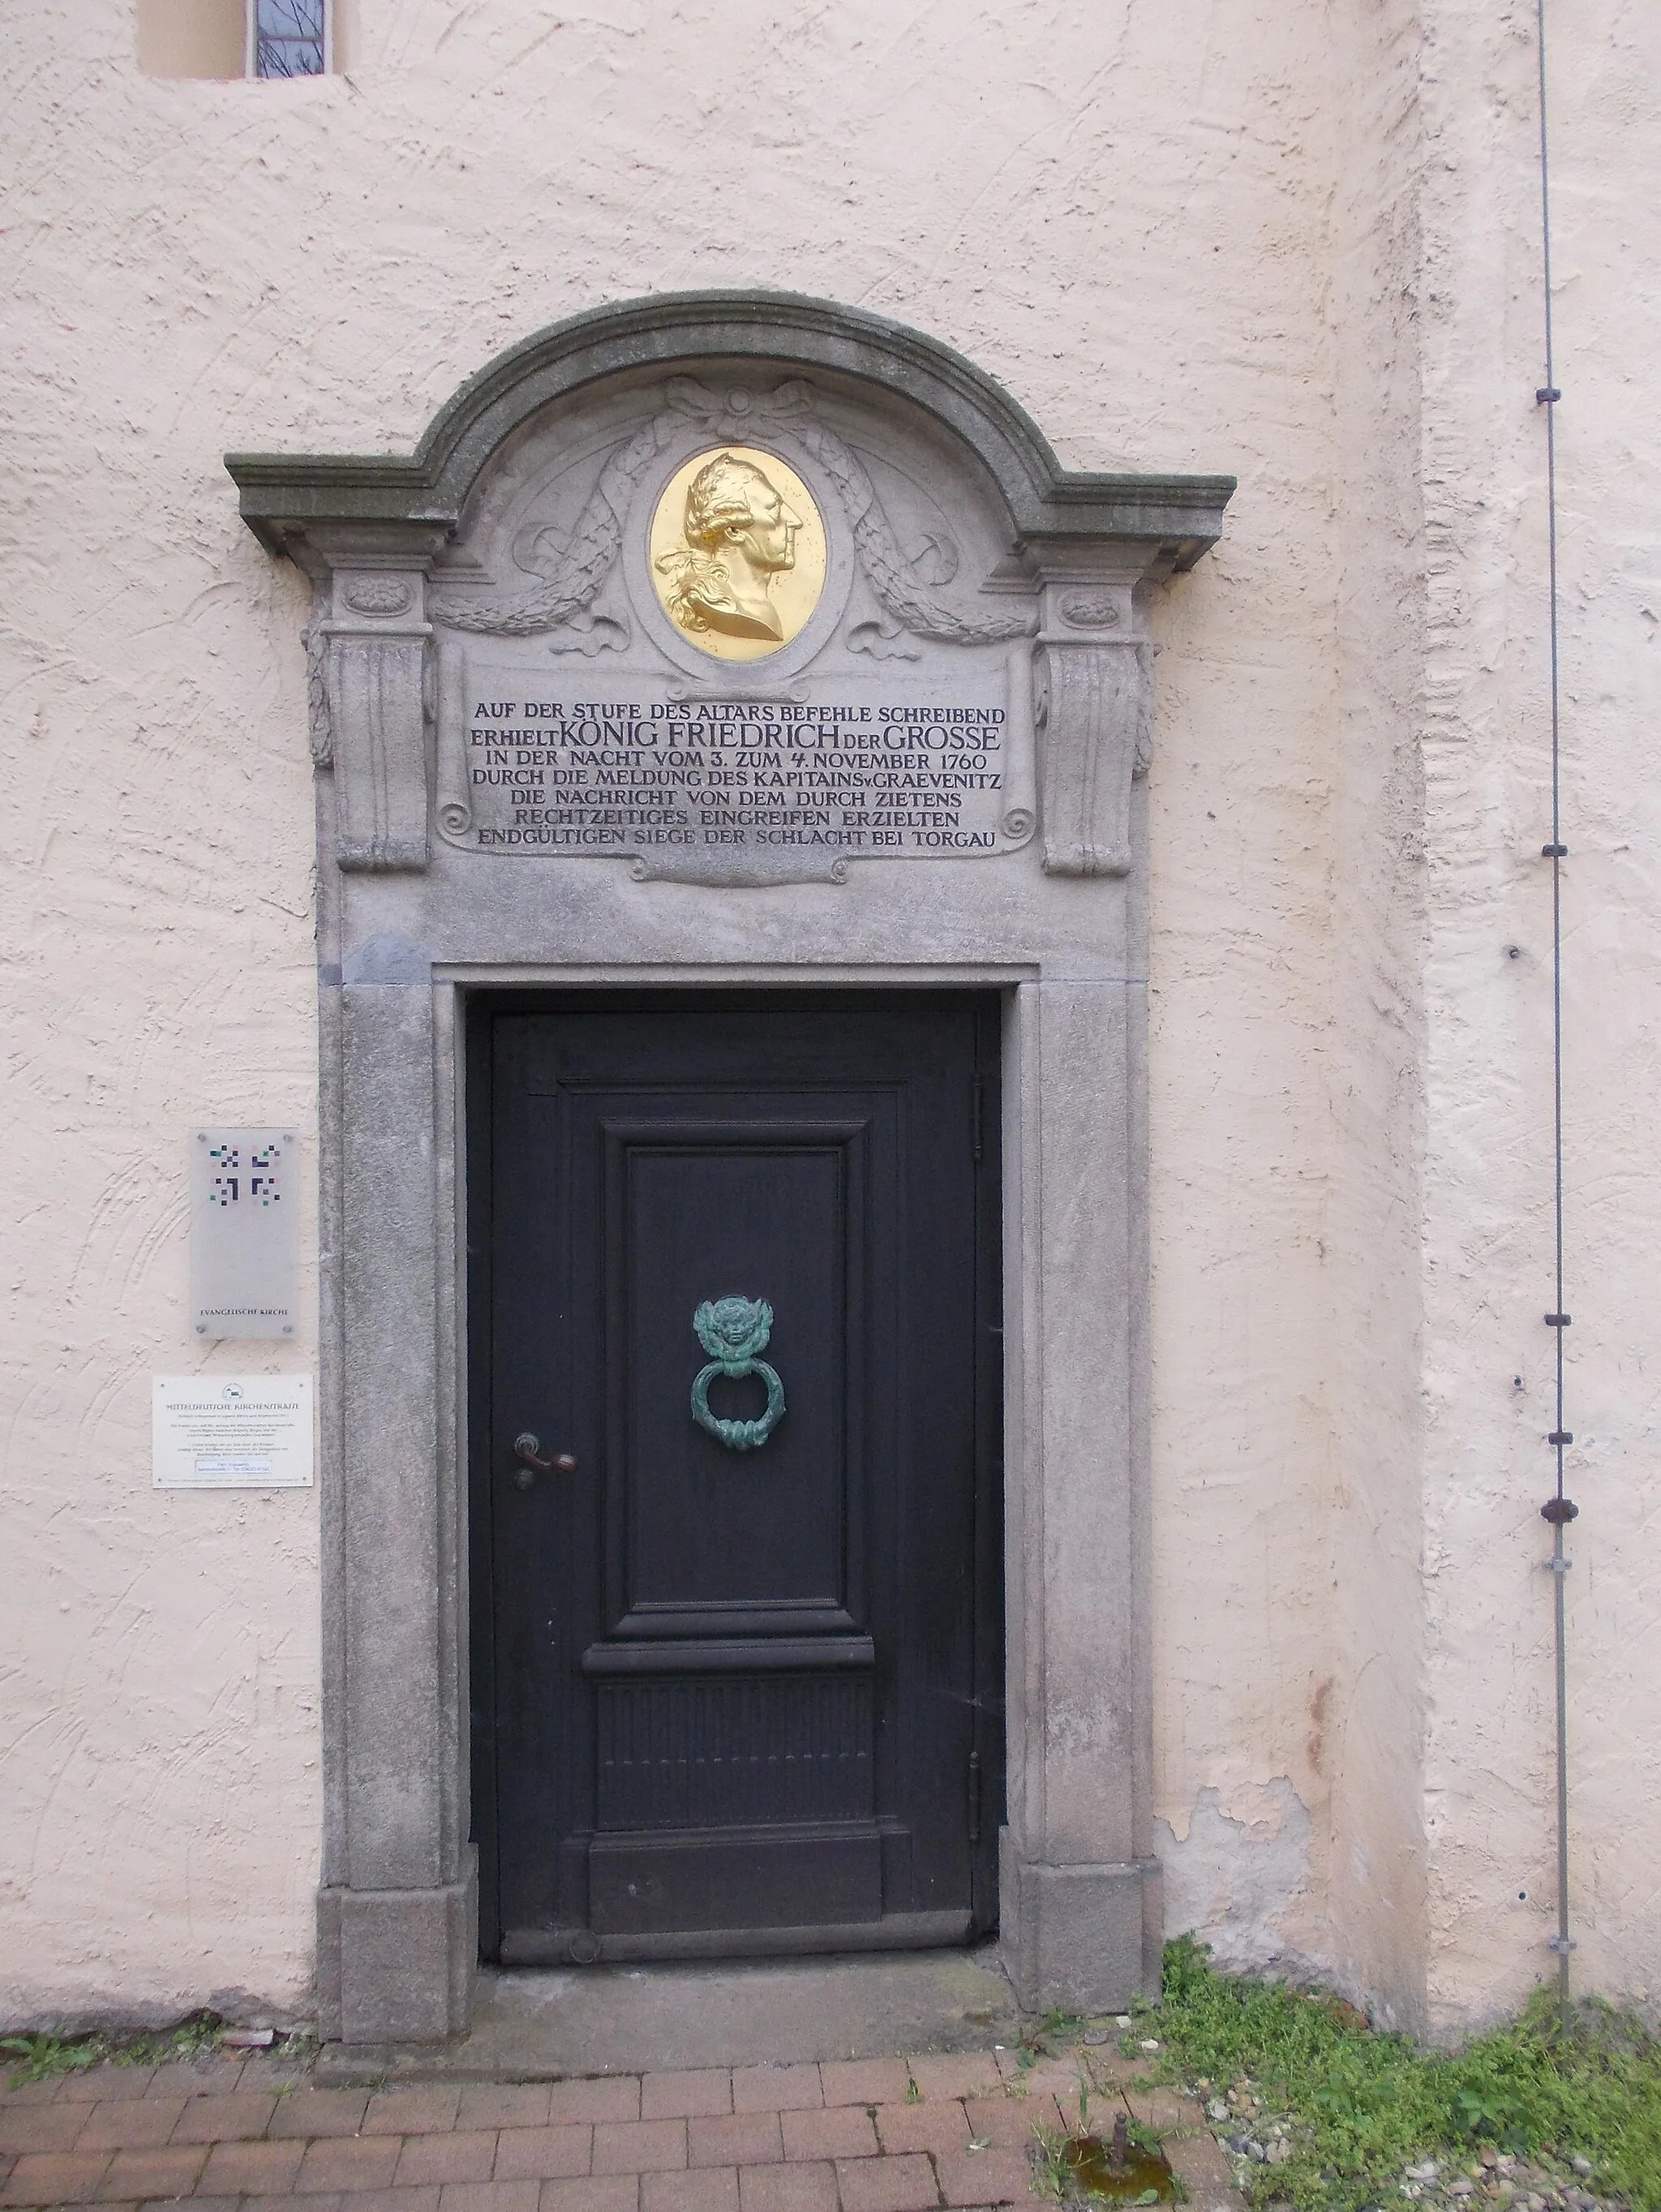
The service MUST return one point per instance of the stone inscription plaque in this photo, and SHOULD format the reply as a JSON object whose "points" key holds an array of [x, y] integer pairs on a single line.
{"points": [[652, 770]]}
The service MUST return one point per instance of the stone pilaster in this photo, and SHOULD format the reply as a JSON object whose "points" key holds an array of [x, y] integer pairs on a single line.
{"points": [[370, 649], [1094, 665]]}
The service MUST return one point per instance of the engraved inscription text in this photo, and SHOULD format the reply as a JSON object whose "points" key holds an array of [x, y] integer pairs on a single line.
{"points": [[888, 775]]}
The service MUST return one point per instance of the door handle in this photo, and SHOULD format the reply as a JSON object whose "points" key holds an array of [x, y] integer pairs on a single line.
{"points": [[527, 1449]]}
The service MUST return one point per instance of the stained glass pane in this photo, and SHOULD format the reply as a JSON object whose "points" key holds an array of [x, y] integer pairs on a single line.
{"points": [[288, 39]]}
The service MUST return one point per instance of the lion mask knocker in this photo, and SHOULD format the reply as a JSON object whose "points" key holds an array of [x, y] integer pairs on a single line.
{"points": [[732, 1331]]}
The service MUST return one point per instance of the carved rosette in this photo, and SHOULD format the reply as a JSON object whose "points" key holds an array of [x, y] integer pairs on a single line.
{"points": [[368, 653], [1094, 670]]}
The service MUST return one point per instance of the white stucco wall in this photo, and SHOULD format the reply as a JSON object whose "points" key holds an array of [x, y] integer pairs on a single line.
{"points": [[1293, 242], [1487, 1252]]}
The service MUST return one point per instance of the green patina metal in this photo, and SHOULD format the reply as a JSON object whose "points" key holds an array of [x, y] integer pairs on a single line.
{"points": [[732, 1330]]}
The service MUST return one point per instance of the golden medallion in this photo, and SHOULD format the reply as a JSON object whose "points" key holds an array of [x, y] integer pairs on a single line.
{"points": [[737, 552]]}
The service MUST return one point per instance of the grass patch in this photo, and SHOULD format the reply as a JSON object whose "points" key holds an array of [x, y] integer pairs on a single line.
{"points": [[38, 2058], [1051, 2031], [1363, 2106]]}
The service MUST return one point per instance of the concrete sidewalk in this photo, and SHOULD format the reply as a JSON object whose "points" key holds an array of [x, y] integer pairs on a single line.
{"points": [[869, 2135]]}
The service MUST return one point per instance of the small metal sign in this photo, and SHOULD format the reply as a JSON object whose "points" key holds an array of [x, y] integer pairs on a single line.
{"points": [[244, 1248], [231, 1432]]}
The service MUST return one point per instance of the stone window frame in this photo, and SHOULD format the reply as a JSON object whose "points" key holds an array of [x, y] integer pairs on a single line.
{"points": [[397, 1910]]}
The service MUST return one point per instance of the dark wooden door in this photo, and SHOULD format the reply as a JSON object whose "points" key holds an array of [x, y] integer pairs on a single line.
{"points": [[736, 1694]]}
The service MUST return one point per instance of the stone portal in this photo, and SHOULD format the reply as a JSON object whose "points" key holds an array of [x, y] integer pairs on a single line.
{"points": [[739, 643]]}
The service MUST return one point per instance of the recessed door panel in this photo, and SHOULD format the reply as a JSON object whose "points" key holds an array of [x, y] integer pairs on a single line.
{"points": [[714, 1210], [737, 1673]]}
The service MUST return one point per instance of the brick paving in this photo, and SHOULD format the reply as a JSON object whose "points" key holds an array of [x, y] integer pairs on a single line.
{"points": [[936, 2134]]}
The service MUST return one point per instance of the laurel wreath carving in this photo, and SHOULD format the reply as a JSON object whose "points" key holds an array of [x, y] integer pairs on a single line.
{"points": [[319, 725], [587, 560], [561, 601], [912, 607]]}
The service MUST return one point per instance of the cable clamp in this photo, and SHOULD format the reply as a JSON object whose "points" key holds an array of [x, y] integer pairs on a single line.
{"points": [[1559, 1320], [1560, 1437], [1562, 1943], [1546, 395], [1557, 1566], [1560, 1511], [1554, 851]]}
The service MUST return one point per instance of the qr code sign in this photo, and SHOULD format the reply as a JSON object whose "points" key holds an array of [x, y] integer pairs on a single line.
{"points": [[259, 1184], [244, 1254]]}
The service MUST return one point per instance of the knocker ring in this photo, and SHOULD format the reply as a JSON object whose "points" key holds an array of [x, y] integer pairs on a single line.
{"points": [[732, 1331]]}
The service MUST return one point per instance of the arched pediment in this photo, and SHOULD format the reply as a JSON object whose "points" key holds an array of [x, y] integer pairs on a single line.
{"points": [[934, 566], [282, 493]]}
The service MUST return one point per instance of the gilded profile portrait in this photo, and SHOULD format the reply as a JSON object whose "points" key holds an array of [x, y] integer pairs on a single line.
{"points": [[737, 552]]}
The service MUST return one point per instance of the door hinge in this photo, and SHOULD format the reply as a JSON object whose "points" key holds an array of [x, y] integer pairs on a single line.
{"points": [[974, 1796]]}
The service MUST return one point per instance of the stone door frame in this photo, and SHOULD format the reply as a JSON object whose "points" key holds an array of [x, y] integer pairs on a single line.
{"points": [[1080, 1896]]}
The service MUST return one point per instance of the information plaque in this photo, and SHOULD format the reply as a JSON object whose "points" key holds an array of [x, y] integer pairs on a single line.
{"points": [[243, 1270], [231, 1432]]}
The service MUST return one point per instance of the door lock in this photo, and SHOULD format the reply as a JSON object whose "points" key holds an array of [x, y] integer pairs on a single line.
{"points": [[527, 1448]]}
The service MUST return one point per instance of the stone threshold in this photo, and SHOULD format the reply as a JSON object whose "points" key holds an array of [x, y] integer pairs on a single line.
{"points": [[542, 2024]]}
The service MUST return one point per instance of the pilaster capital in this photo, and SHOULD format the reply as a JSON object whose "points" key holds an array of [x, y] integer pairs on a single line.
{"points": [[1094, 670], [369, 685]]}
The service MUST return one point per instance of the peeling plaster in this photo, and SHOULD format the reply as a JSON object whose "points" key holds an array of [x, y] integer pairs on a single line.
{"points": [[1232, 1880]]}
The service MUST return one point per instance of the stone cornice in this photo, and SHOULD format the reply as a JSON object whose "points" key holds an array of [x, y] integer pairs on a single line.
{"points": [[285, 496]]}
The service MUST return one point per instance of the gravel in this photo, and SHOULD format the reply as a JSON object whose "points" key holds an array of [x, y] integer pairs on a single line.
{"points": [[1257, 2140]]}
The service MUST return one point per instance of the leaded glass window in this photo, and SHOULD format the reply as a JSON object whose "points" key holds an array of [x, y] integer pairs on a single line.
{"points": [[288, 37]]}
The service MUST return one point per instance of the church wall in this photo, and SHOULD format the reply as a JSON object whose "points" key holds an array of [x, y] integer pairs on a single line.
{"points": [[1366, 1713], [1487, 1361], [1155, 225], [1243, 1157]]}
